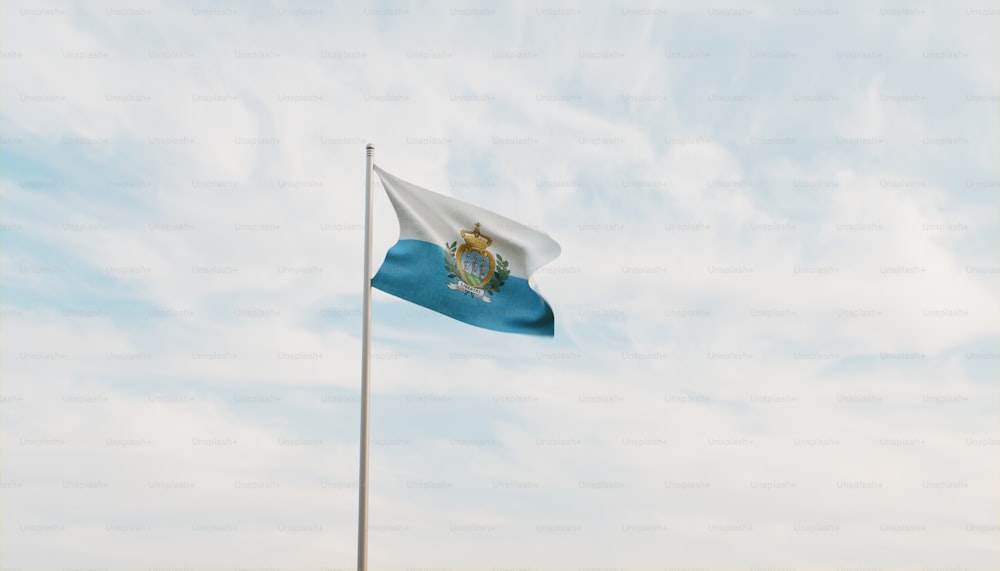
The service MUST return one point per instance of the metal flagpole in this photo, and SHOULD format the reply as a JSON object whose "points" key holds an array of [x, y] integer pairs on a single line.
{"points": [[366, 341]]}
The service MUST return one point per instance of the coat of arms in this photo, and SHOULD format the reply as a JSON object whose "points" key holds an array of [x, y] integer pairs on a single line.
{"points": [[479, 273]]}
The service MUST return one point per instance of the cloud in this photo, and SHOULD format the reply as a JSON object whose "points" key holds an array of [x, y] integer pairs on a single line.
{"points": [[775, 303]]}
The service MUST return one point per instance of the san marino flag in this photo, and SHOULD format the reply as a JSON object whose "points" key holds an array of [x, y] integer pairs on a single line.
{"points": [[464, 261]]}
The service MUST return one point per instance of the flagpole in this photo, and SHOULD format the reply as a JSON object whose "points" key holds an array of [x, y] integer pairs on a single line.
{"points": [[366, 341]]}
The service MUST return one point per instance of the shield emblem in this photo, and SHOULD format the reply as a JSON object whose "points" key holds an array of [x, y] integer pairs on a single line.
{"points": [[475, 265]]}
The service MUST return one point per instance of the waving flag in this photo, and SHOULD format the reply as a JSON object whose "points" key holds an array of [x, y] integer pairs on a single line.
{"points": [[464, 261]]}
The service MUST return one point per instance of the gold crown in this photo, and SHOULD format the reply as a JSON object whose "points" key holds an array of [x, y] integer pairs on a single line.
{"points": [[476, 239]]}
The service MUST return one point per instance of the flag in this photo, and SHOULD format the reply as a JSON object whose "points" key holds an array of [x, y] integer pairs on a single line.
{"points": [[464, 261]]}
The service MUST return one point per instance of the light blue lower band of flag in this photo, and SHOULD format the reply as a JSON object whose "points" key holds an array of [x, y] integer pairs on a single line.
{"points": [[414, 270]]}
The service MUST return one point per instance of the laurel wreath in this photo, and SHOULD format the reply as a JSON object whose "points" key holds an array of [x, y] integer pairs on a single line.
{"points": [[500, 273]]}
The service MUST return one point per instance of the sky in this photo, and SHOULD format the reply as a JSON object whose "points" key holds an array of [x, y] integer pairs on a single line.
{"points": [[776, 307]]}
